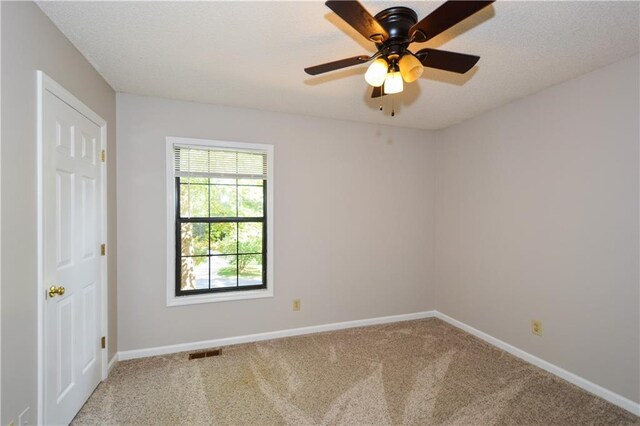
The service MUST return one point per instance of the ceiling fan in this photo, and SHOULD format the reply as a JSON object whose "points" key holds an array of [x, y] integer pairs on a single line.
{"points": [[392, 31]]}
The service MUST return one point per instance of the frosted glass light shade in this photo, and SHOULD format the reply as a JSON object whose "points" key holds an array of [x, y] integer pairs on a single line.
{"points": [[393, 83], [376, 72], [410, 68]]}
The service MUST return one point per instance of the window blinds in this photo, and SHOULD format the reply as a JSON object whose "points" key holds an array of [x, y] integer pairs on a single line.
{"points": [[190, 161]]}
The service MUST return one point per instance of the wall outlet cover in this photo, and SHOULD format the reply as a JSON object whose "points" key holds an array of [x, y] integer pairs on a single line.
{"points": [[536, 327]]}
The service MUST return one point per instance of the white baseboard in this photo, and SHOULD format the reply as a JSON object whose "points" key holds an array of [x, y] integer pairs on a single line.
{"points": [[112, 363], [164, 350], [585, 384]]}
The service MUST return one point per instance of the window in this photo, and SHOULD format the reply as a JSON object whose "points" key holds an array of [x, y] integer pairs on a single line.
{"points": [[220, 199]]}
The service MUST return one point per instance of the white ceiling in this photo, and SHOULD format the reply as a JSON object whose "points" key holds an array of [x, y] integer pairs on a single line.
{"points": [[252, 54]]}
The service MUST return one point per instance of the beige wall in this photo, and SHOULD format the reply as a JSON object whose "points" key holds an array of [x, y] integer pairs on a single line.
{"points": [[31, 42], [534, 215], [537, 217], [353, 221]]}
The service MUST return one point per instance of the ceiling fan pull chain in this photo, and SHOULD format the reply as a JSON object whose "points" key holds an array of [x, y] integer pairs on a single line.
{"points": [[393, 105]]}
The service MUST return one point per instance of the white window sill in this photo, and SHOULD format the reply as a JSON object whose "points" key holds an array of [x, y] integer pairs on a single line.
{"points": [[219, 297]]}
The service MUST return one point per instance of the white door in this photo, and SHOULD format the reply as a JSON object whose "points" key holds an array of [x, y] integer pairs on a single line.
{"points": [[72, 228]]}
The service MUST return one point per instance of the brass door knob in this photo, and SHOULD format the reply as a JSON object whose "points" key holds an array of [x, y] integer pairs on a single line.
{"points": [[56, 291]]}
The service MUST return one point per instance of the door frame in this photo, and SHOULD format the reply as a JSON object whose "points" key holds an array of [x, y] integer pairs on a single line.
{"points": [[47, 84]]}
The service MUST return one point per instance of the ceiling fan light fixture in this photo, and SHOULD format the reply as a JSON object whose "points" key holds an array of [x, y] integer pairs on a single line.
{"points": [[377, 72], [410, 68], [393, 83], [393, 30]]}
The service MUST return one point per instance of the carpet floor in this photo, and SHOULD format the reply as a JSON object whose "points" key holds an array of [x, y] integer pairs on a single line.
{"points": [[419, 372]]}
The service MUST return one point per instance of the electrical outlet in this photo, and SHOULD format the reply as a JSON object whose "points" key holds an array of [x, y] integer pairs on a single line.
{"points": [[296, 304], [536, 327]]}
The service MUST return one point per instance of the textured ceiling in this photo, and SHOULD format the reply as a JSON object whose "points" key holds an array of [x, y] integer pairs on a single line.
{"points": [[252, 54]]}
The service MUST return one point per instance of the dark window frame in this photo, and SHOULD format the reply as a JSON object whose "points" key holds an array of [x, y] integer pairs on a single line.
{"points": [[179, 220]]}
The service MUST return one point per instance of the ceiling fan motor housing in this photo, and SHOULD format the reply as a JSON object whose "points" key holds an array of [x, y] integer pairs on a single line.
{"points": [[397, 21]]}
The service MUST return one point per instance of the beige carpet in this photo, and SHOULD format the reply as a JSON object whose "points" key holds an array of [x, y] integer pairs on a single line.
{"points": [[416, 372]]}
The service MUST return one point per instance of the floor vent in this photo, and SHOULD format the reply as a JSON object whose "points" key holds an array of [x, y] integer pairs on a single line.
{"points": [[205, 353]]}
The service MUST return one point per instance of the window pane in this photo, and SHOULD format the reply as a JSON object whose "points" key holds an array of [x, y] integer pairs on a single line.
{"points": [[250, 267], [200, 180], [250, 182], [223, 271], [223, 238], [250, 201], [195, 273], [218, 181], [195, 238], [250, 237], [194, 200], [223, 201]]}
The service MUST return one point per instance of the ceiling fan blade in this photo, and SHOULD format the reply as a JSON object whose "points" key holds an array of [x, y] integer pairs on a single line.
{"points": [[336, 65], [354, 14], [378, 92], [448, 61], [445, 17]]}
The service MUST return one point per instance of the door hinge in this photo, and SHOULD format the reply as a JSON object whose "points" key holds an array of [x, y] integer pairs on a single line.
{"points": [[103, 342], [103, 249], [103, 155]]}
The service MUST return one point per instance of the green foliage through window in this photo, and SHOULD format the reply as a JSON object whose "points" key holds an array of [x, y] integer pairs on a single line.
{"points": [[221, 243]]}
